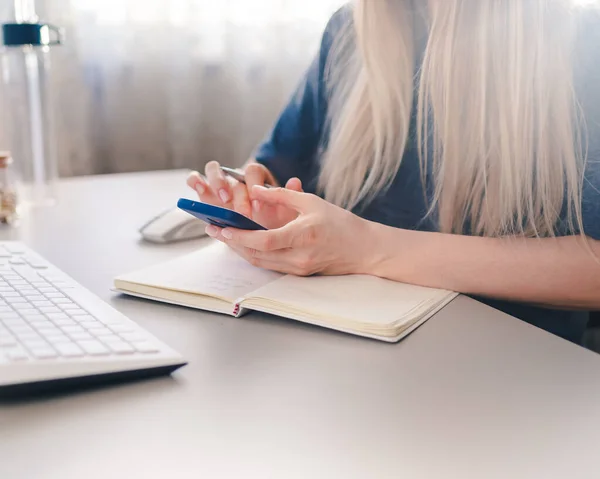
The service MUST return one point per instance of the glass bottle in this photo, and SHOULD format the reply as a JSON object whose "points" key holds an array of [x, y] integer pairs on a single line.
{"points": [[8, 190], [28, 103]]}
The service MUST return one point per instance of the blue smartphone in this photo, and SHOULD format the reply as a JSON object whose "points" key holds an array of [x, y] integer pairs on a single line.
{"points": [[217, 216]]}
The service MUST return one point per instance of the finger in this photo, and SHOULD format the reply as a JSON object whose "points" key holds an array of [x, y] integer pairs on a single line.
{"points": [[256, 175], [218, 184], [282, 263], [241, 202], [270, 240], [294, 184], [296, 200], [198, 184]]}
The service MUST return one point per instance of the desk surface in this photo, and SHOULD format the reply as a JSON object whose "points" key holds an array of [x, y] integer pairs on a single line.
{"points": [[471, 394]]}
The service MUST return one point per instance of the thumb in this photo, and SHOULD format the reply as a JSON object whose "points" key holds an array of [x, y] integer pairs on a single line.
{"points": [[295, 200], [294, 184]]}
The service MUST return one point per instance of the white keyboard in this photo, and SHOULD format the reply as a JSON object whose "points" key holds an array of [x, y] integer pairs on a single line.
{"points": [[53, 330]]}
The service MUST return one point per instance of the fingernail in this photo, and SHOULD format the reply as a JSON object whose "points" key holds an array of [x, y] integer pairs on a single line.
{"points": [[211, 231], [227, 234], [200, 188], [224, 196], [256, 205]]}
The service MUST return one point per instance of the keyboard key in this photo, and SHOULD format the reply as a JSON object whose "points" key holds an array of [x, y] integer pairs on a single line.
{"points": [[10, 275], [133, 337], [16, 260], [27, 274], [72, 329], [85, 318], [80, 336], [25, 311], [121, 347], [18, 330], [20, 306], [10, 322], [14, 248], [65, 322], [57, 338], [68, 307], [49, 309], [5, 309], [34, 344], [62, 301], [36, 263], [17, 355], [10, 294], [55, 295], [36, 297], [101, 331], [77, 312], [47, 289], [16, 300], [93, 347], [145, 347], [110, 320], [111, 339], [40, 303], [45, 324], [28, 335], [56, 316], [12, 315], [28, 290], [122, 328], [93, 327], [43, 352], [69, 350], [23, 328], [7, 340], [48, 331], [32, 318]]}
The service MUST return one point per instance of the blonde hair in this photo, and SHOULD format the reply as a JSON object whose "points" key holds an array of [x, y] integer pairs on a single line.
{"points": [[498, 126]]}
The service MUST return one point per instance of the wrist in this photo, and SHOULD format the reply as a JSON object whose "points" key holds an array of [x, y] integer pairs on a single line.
{"points": [[390, 252], [375, 248]]}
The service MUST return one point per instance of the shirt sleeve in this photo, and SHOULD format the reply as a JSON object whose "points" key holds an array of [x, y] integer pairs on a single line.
{"points": [[590, 208], [291, 147], [587, 82]]}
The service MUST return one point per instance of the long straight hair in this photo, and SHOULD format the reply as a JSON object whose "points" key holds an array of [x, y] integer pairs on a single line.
{"points": [[498, 126]]}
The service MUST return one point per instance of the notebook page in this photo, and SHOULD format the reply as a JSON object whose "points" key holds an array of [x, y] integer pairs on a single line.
{"points": [[357, 298], [213, 270]]}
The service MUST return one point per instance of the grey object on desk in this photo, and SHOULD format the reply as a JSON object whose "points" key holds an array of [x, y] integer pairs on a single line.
{"points": [[471, 394], [172, 225]]}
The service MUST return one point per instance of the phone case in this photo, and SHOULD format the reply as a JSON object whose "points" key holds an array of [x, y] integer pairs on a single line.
{"points": [[217, 216]]}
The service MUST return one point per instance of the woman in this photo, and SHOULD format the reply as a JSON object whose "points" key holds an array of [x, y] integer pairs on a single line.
{"points": [[454, 145]]}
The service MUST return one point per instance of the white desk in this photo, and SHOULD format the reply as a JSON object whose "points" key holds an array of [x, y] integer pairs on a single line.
{"points": [[471, 394]]}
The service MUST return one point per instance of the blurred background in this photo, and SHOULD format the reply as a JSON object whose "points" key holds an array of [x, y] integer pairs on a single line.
{"points": [[157, 84]]}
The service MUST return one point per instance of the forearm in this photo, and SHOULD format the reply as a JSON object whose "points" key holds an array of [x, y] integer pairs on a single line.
{"points": [[555, 272]]}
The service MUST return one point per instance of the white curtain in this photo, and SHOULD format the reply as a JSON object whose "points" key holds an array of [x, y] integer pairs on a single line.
{"points": [[152, 84]]}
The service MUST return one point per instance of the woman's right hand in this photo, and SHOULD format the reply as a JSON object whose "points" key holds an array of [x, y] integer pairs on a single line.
{"points": [[218, 189]]}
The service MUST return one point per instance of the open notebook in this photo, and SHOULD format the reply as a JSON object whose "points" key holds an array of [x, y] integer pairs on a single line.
{"points": [[215, 279]]}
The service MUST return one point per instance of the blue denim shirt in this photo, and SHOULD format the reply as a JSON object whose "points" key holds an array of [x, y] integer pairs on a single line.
{"points": [[293, 149]]}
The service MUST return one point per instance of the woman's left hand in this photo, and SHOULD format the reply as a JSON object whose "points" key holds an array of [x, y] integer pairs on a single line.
{"points": [[322, 239]]}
